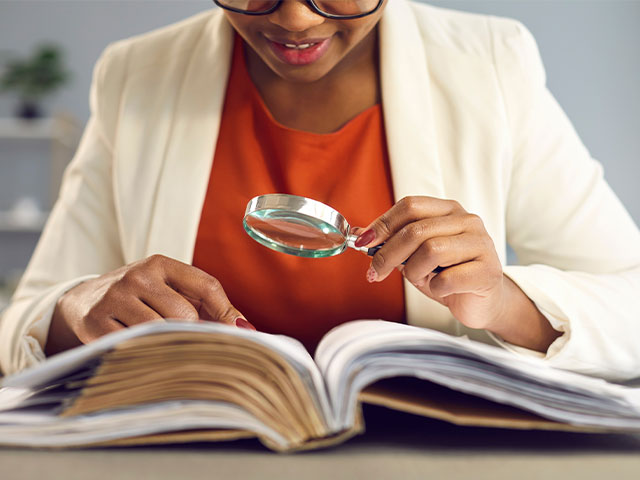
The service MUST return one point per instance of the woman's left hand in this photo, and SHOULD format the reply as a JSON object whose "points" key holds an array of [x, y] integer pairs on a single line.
{"points": [[428, 232]]}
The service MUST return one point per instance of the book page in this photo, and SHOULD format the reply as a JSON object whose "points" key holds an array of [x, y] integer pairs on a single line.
{"points": [[188, 365], [67, 362], [359, 353], [34, 391], [42, 428]]}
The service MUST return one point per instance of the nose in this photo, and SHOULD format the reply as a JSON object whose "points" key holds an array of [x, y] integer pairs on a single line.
{"points": [[295, 16]]}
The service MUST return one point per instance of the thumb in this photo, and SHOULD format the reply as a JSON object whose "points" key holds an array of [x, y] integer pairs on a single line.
{"points": [[222, 311], [214, 306]]}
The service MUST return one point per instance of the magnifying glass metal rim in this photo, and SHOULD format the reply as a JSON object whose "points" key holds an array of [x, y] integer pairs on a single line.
{"points": [[303, 206], [313, 209]]}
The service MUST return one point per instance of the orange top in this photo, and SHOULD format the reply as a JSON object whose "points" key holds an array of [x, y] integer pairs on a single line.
{"points": [[348, 170]]}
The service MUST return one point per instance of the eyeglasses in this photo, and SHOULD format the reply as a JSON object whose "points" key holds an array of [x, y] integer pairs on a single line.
{"points": [[336, 9]]}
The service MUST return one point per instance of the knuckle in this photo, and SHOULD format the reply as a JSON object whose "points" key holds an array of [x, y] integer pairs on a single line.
{"points": [[385, 226], [410, 204], [135, 279], [412, 232], [156, 258], [214, 286], [455, 205], [474, 221], [435, 246], [155, 262], [379, 261], [212, 290]]}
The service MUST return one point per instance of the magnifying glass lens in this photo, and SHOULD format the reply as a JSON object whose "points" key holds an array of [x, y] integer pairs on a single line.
{"points": [[294, 233]]}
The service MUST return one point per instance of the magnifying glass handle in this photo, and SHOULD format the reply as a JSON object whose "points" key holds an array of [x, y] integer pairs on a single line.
{"points": [[372, 251]]}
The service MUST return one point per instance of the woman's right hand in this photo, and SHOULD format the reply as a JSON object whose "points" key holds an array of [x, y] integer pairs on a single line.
{"points": [[154, 288]]}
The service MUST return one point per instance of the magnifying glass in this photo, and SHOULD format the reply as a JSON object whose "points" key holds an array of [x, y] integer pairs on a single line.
{"points": [[300, 226]]}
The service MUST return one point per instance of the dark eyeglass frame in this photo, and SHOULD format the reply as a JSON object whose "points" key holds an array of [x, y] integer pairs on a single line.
{"points": [[312, 6]]}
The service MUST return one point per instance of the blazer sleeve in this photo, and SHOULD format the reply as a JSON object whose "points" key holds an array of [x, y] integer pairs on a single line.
{"points": [[80, 239], [577, 247]]}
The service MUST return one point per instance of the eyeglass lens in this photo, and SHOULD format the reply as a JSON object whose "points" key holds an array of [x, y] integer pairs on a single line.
{"points": [[332, 7]]}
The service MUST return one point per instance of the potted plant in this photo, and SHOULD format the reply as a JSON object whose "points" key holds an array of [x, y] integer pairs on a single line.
{"points": [[34, 78]]}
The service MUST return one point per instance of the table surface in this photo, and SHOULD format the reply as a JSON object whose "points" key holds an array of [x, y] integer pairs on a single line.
{"points": [[396, 445]]}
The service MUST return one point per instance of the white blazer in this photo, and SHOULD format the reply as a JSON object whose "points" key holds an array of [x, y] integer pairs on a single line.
{"points": [[467, 117]]}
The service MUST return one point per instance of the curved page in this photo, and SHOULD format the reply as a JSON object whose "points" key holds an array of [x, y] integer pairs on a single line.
{"points": [[78, 377], [357, 354]]}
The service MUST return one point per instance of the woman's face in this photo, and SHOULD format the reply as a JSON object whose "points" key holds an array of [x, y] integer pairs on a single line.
{"points": [[298, 44]]}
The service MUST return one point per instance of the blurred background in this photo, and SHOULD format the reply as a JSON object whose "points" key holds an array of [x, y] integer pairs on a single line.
{"points": [[591, 50]]}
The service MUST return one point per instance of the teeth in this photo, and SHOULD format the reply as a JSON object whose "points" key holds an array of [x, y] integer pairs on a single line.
{"points": [[302, 46]]}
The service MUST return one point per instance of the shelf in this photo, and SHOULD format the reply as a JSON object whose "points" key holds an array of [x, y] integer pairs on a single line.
{"points": [[8, 223], [58, 129], [41, 129]]}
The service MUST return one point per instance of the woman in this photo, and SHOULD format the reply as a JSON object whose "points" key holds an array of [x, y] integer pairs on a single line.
{"points": [[431, 128]]}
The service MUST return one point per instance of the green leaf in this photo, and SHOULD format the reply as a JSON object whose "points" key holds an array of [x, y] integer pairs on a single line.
{"points": [[36, 76]]}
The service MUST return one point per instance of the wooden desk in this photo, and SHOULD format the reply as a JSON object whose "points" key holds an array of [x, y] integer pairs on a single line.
{"points": [[396, 446]]}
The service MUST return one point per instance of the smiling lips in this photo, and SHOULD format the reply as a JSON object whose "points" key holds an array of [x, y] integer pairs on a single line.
{"points": [[300, 53]]}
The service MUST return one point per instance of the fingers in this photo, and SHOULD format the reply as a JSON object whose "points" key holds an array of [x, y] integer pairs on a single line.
{"points": [[404, 212], [426, 233], [151, 289], [443, 251], [419, 235], [167, 303], [469, 277], [134, 313], [204, 289]]}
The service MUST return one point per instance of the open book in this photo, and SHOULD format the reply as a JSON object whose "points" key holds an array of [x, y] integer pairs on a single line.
{"points": [[170, 382]]}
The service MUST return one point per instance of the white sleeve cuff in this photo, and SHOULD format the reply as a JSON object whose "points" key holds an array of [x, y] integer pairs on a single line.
{"points": [[24, 327], [595, 312]]}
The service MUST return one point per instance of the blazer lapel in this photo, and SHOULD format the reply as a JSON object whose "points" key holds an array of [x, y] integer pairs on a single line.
{"points": [[409, 125], [191, 144], [411, 133]]}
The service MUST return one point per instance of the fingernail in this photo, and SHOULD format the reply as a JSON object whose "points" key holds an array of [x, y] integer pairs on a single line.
{"points": [[372, 275], [365, 239], [242, 323]]}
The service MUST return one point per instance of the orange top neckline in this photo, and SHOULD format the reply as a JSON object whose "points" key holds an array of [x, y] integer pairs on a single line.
{"points": [[319, 137], [347, 169]]}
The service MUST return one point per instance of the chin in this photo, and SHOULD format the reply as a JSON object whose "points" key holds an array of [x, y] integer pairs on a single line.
{"points": [[302, 74], [301, 77]]}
